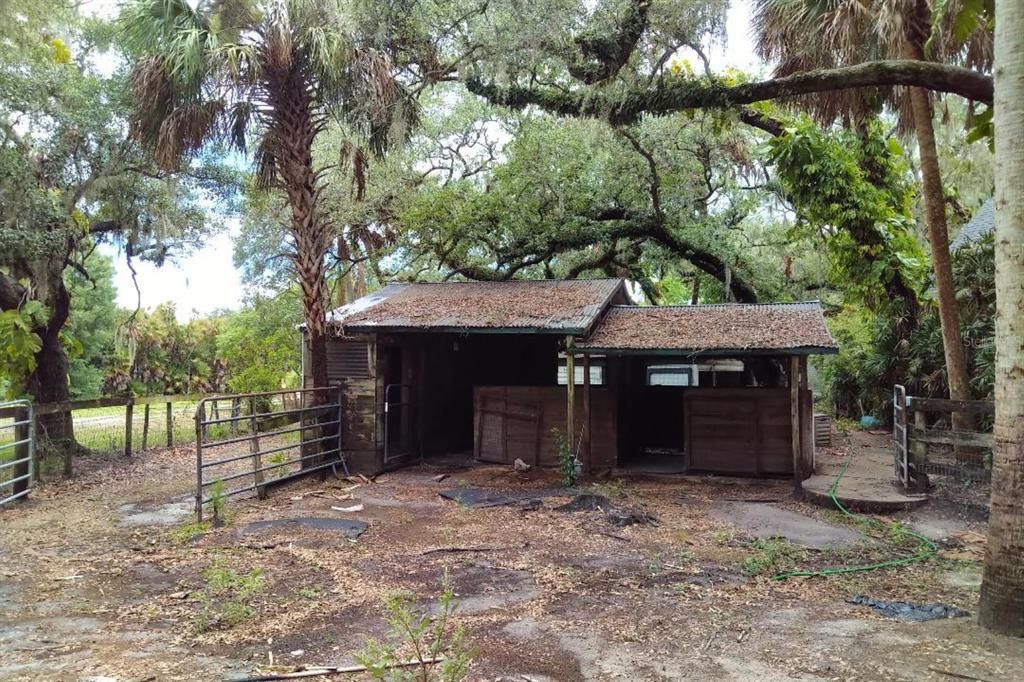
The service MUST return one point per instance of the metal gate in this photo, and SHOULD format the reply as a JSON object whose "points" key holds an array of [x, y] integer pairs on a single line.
{"points": [[283, 435], [395, 416], [899, 435], [16, 473]]}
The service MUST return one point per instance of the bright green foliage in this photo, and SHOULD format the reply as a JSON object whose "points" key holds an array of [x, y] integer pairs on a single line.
{"points": [[428, 637], [92, 326], [852, 192], [260, 344], [19, 345]]}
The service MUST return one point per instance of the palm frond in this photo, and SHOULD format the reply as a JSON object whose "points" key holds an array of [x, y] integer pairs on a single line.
{"points": [[186, 130]]}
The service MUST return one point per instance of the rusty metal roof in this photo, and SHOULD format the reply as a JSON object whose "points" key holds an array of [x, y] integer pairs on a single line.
{"points": [[546, 306], [730, 328]]}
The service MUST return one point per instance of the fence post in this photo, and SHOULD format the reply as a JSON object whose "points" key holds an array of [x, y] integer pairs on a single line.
{"points": [[170, 426], [145, 426], [22, 470], [128, 409], [200, 430], [254, 448], [69, 465]]}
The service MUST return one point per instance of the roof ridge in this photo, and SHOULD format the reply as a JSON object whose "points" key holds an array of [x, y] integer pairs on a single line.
{"points": [[683, 306]]}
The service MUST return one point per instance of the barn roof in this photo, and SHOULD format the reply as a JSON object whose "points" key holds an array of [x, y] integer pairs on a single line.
{"points": [[725, 329], [546, 306], [983, 222]]}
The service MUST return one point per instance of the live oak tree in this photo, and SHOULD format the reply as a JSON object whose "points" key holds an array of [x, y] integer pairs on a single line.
{"points": [[1002, 588], [267, 76], [70, 178]]}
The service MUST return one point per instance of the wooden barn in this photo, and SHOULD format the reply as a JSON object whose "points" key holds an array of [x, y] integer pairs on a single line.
{"points": [[481, 370]]}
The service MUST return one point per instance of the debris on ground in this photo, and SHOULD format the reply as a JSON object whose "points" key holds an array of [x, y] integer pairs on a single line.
{"points": [[617, 516], [904, 610], [349, 510], [481, 498], [586, 502], [439, 478], [521, 466]]}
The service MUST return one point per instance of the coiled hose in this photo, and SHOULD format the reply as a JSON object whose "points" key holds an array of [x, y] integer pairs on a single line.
{"points": [[926, 548]]}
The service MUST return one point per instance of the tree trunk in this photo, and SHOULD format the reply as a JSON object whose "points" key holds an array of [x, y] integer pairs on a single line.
{"points": [[933, 199], [1002, 588], [49, 382], [292, 136]]}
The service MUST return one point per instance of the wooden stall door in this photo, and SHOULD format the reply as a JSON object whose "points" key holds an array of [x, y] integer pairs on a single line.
{"points": [[721, 435]]}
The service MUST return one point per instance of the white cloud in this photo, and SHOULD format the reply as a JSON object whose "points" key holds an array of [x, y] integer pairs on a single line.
{"points": [[197, 284]]}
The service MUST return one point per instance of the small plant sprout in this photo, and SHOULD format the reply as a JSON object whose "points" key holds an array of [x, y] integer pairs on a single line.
{"points": [[217, 504], [568, 465], [439, 652]]}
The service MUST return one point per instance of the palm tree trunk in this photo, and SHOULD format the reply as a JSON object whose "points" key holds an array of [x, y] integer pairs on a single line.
{"points": [[938, 236], [294, 131], [1002, 588]]}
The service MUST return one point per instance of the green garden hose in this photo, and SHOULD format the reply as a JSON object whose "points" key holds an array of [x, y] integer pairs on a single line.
{"points": [[926, 548]]}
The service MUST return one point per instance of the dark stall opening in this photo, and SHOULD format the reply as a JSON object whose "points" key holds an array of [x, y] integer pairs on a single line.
{"points": [[451, 366]]}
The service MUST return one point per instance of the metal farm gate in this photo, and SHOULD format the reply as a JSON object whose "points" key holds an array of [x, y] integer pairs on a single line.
{"points": [[247, 442], [17, 449]]}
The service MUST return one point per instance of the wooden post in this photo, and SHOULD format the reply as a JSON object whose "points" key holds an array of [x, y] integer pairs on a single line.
{"points": [[918, 450], [170, 426], [254, 448], [145, 427], [794, 421], [588, 461], [570, 391], [128, 408]]}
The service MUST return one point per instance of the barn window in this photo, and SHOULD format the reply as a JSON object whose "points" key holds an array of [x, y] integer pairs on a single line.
{"points": [[672, 375], [597, 368], [348, 359]]}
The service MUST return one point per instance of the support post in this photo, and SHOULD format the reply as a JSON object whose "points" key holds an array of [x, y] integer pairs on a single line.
{"points": [[145, 427], [587, 456], [200, 430], [170, 426], [570, 391], [794, 421], [254, 448], [128, 409]]}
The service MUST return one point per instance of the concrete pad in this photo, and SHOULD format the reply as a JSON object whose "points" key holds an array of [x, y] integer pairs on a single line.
{"points": [[766, 521], [149, 515], [347, 527]]}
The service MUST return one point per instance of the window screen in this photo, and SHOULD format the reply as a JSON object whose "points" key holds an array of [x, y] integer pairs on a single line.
{"points": [[671, 375], [597, 368], [348, 359]]}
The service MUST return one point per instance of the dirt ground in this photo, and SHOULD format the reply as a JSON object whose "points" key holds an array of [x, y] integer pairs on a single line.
{"points": [[102, 578]]}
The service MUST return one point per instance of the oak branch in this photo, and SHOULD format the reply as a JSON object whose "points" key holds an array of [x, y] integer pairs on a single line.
{"points": [[671, 94]]}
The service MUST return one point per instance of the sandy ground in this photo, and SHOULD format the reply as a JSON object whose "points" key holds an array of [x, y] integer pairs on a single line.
{"points": [[98, 577]]}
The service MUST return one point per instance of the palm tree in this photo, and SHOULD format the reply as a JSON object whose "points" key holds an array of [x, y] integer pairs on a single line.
{"points": [[806, 34], [1002, 587], [266, 75]]}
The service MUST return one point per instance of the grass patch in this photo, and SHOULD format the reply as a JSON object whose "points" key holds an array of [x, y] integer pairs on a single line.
{"points": [[227, 596], [190, 531], [609, 489], [772, 556]]}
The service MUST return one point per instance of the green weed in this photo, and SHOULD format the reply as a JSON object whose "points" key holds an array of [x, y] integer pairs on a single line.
{"points": [[429, 639], [772, 556]]}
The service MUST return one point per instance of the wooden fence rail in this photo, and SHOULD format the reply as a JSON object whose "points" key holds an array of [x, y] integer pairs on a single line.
{"points": [[127, 402], [919, 458]]}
